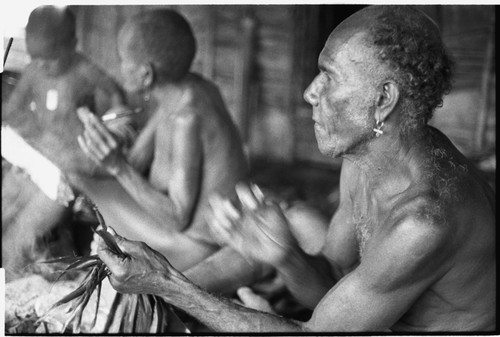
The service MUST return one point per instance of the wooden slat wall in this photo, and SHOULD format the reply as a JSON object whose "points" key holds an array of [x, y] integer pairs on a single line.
{"points": [[278, 124], [468, 114], [218, 30]]}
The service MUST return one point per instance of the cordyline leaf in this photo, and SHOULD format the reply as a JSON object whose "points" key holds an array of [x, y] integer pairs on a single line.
{"points": [[128, 321], [79, 311], [116, 312], [101, 275], [99, 217], [85, 262], [145, 317], [75, 293], [154, 323], [62, 259], [111, 243], [128, 313]]}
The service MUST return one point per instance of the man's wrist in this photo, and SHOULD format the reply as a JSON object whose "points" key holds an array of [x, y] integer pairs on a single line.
{"points": [[293, 258], [176, 289], [120, 168]]}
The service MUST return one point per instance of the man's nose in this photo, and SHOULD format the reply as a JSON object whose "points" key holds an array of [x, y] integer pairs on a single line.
{"points": [[311, 94]]}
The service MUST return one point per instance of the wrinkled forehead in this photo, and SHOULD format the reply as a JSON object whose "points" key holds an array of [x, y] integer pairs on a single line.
{"points": [[347, 48]]}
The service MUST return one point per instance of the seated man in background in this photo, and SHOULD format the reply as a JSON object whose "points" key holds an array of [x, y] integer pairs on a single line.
{"points": [[188, 149], [57, 81], [42, 109], [411, 247]]}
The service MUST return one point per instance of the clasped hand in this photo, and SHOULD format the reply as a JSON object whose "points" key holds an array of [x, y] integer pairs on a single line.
{"points": [[98, 143], [144, 271], [258, 231]]}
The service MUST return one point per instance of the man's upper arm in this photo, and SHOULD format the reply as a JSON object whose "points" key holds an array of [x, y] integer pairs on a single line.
{"points": [[387, 282], [18, 100], [185, 164], [342, 247]]}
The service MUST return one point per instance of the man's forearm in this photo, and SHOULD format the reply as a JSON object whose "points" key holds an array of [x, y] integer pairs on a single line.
{"points": [[307, 277], [223, 315], [225, 271], [151, 200]]}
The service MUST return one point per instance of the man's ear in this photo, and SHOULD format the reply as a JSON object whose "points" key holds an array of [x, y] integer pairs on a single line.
{"points": [[147, 74], [387, 101]]}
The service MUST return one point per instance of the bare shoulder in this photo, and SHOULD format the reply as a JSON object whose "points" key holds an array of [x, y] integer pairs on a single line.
{"points": [[421, 229], [186, 117]]}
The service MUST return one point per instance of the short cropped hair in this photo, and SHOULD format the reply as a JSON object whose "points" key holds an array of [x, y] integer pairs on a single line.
{"points": [[164, 39], [54, 24], [410, 44]]}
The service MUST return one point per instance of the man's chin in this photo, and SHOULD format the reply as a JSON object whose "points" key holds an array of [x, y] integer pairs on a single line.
{"points": [[329, 151]]}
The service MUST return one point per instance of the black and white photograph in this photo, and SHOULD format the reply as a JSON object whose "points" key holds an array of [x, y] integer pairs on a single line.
{"points": [[178, 168]]}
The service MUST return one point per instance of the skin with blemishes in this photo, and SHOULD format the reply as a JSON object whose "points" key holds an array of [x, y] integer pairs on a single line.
{"points": [[411, 247]]}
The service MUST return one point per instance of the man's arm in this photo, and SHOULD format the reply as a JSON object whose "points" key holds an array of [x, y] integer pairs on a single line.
{"points": [[16, 110], [225, 271], [172, 200], [371, 298], [261, 232], [393, 274]]}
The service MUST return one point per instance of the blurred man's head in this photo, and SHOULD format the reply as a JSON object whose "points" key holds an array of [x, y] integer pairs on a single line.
{"points": [[162, 40], [51, 36]]}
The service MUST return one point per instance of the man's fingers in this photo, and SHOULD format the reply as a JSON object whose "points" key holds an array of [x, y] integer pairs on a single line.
{"points": [[88, 152], [247, 197], [230, 210], [112, 261], [96, 125], [83, 113], [223, 212], [96, 142], [96, 128], [219, 233], [257, 192], [254, 301]]}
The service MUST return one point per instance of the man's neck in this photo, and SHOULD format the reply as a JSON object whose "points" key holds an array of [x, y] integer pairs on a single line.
{"points": [[169, 95], [388, 162]]}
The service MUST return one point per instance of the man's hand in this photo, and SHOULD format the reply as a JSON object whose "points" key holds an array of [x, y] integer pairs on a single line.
{"points": [[145, 271], [259, 231], [251, 300], [99, 144]]}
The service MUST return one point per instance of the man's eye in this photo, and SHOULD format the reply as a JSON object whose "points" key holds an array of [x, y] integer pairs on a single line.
{"points": [[325, 76]]}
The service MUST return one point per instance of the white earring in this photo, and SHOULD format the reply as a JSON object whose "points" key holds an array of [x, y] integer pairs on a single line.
{"points": [[378, 128]]}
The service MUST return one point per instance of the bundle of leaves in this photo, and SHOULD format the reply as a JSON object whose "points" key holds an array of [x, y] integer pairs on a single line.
{"points": [[130, 313]]}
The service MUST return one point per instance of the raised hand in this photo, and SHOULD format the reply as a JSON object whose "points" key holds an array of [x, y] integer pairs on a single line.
{"points": [[259, 231], [99, 144], [144, 271]]}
